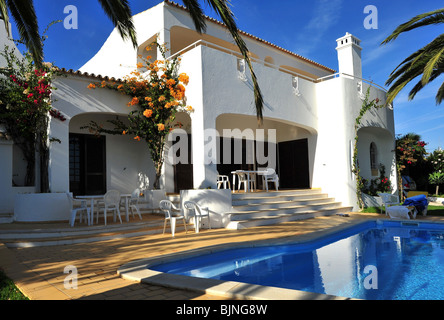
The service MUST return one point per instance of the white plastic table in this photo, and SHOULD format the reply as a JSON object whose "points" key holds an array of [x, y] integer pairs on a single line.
{"points": [[98, 197], [92, 200], [248, 173]]}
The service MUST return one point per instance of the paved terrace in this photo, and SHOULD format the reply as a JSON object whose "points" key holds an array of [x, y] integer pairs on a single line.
{"points": [[38, 271]]}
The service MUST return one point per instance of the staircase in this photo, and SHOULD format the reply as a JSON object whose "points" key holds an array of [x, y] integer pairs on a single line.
{"points": [[274, 207]]}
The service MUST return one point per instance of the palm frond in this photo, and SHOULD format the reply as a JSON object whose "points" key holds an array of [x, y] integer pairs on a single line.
{"points": [[25, 18], [196, 14], [4, 14], [440, 94], [120, 14], [222, 7], [424, 19], [431, 65], [426, 61]]}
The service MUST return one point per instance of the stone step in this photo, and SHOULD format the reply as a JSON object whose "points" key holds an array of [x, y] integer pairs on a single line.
{"points": [[271, 220], [263, 199], [295, 192], [82, 233], [275, 204], [6, 217], [237, 216]]}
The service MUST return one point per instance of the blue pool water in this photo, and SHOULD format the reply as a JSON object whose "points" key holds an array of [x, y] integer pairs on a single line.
{"points": [[404, 262]]}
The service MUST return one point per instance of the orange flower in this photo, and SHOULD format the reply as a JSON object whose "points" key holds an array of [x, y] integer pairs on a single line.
{"points": [[183, 77], [139, 65], [137, 138], [168, 105], [161, 98], [148, 113], [170, 82], [160, 126], [190, 108], [103, 84], [91, 86], [120, 87], [124, 132], [148, 99], [134, 101], [180, 87], [178, 95]]}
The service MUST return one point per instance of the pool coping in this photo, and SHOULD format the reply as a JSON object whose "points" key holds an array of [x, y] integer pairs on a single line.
{"points": [[140, 271]]}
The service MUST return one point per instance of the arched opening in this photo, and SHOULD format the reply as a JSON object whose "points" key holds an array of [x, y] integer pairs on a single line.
{"points": [[145, 51], [376, 148], [98, 163], [284, 146], [181, 38]]}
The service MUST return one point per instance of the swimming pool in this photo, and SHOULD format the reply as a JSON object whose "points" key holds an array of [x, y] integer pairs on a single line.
{"points": [[375, 260]]}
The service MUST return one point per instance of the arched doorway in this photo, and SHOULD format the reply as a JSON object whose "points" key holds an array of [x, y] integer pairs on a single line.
{"points": [[291, 146], [98, 163]]}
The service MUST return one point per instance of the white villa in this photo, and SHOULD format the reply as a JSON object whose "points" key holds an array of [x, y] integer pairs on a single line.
{"points": [[311, 107]]}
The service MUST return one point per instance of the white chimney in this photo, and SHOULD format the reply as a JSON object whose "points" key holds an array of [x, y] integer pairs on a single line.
{"points": [[349, 55]]}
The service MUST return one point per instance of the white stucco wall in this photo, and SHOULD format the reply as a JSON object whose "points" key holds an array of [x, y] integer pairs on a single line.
{"points": [[128, 163], [339, 104]]}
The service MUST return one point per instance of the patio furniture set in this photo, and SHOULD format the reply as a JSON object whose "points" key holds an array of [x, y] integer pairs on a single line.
{"points": [[113, 201], [248, 179]]}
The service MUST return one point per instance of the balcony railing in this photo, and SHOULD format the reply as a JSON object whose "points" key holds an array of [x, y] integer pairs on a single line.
{"points": [[239, 56], [270, 65]]}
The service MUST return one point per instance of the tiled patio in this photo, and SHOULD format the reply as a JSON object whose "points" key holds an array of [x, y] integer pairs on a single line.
{"points": [[39, 271]]}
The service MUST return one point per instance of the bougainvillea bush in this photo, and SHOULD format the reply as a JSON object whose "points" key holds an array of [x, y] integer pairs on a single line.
{"points": [[156, 92], [25, 105]]}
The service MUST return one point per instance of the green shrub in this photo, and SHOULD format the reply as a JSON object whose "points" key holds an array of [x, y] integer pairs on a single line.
{"points": [[8, 290]]}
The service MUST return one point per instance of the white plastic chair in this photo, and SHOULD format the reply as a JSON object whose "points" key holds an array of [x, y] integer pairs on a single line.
{"points": [[388, 200], [133, 202], [270, 176], [83, 209], [199, 213], [223, 180], [167, 206], [243, 178], [111, 202]]}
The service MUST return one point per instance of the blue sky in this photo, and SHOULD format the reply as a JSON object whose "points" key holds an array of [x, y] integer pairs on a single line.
{"points": [[309, 28]]}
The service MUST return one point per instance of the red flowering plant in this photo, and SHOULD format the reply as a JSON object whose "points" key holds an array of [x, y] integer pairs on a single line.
{"points": [[25, 103], [410, 150], [379, 185], [156, 93]]}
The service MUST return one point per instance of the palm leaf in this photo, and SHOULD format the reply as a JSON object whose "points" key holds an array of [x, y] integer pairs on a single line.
{"points": [[196, 14], [4, 14], [419, 86], [425, 19], [431, 65], [426, 61], [440, 94], [222, 8], [119, 13], [25, 18]]}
